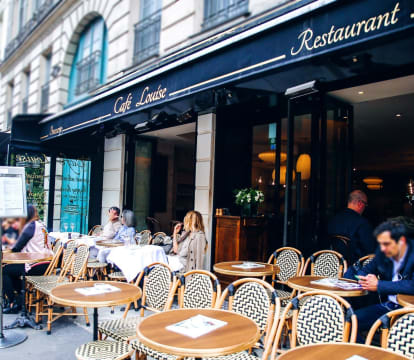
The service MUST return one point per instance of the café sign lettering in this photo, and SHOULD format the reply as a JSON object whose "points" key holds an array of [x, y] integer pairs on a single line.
{"points": [[308, 40], [147, 96]]}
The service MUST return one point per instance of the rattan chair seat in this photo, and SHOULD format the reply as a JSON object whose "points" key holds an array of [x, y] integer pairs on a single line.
{"points": [[120, 329], [157, 355], [96, 264], [117, 275], [103, 350]]}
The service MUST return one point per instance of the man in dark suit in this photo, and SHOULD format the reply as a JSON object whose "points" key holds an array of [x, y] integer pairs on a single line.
{"points": [[350, 233]]}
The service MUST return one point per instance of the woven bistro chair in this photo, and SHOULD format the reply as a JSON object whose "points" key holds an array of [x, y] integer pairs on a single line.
{"points": [[104, 350], [158, 238], [196, 289], [75, 271], [145, 237], [326, 263], [290, 262], [397, 331], [158, 283], [96, 230], [321, 318]]}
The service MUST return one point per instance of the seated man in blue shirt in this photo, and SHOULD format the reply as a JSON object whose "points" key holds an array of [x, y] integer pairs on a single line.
{"points": [[391, 272]]}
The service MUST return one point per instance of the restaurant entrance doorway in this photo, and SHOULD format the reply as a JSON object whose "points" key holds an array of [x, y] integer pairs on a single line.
{"points": [[383, 151]]}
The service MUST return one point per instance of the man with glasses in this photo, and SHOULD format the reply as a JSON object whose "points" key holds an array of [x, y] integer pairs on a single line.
{"points": [[391, 272], [351, 234]]}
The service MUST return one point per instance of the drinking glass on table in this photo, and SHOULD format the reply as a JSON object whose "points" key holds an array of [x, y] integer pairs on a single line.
{"points": [[72, 226], [65, 226]]}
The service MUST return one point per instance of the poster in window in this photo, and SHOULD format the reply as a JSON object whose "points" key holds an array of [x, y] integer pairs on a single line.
{"points": [[75, 196]]}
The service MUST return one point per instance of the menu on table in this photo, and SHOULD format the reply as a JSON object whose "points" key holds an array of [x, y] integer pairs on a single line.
{"points": [[333, 282], [97, 289], [196, 326], [248, 265]]}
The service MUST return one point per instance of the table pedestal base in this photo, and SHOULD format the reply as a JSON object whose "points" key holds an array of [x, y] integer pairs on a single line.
{"points": [[11, 338], [22, 321]]}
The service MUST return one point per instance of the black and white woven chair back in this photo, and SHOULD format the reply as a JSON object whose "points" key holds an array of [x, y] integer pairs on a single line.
{"points": [[401, 336], [288, 262], [158, 240], [81, 257], [367, 261], [198, 292], [251, 299], [56, 246], [145, 237], [320, 320], [68, 249], [157, 287], [326, 264]]}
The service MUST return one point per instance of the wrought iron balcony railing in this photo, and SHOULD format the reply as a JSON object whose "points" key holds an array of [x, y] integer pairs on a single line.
{"points": [[219, 11], [44, 8], [147, 38], [88, 73]]}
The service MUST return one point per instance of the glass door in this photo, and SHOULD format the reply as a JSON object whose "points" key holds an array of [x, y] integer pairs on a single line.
{"points": [[317, 168]]}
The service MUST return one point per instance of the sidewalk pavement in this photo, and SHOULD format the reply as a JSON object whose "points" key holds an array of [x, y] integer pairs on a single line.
{"points": [[67, 334]]}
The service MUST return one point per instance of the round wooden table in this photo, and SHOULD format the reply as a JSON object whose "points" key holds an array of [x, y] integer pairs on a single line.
{"points": [[405, 300], [240, 333], [303, 283], [66, 294], [25, 258], [339, 351], [228, 268], [109, 243]]}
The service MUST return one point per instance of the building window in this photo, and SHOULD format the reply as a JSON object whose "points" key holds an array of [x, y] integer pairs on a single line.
{"points": [[44, 98], [25, 100], [89, 64], [147, 31], [9, 107], [219, 11], [22, 13]]}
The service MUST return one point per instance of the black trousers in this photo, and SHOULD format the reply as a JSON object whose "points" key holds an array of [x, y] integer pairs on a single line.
{"points": [[12, 278]]}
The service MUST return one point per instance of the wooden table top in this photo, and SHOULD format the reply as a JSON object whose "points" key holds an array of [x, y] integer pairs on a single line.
{"points": [[405, 300], [339, 351], [303, 283], [239, 334], [25, 258], [66, 295], [109, 243], [227, 268]]}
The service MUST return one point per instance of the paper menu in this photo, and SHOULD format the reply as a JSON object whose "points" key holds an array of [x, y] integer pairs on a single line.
{"points": [[332, 282], [248, 265], [196, 326], [97, 289], [356, 357]]}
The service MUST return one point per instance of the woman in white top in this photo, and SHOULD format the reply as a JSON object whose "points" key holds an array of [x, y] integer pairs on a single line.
{"points": [[31, 239]]}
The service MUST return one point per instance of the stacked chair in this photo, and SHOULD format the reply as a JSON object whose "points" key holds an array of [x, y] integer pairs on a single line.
{"points": [[145, 237]]}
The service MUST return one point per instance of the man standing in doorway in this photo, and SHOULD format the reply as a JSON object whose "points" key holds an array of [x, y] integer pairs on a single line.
{"points": [[391, 272], [350, 233]]}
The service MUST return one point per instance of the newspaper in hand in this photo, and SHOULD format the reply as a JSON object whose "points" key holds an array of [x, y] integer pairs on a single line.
{"points": [[333, 282], [196, 326], [97, 289], [248, 265]]}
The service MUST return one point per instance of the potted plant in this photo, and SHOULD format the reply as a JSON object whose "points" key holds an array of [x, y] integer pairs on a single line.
{"points": [[248, 199]]}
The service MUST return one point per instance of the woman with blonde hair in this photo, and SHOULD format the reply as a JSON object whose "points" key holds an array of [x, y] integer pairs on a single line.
{"points": [[188, 249]]}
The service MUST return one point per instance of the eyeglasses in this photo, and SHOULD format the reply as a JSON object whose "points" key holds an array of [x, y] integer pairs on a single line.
{"points": [[364, 202]]}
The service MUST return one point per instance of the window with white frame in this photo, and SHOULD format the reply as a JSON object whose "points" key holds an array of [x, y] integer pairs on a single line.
{"points": [[220, 11]]}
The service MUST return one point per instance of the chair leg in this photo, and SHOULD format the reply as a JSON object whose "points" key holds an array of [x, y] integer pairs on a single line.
{"points": [[37, 307], [85, 311], [49, 317]]}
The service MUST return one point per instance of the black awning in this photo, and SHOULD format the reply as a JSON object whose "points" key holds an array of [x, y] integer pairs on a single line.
{"points": [[284, 42]]}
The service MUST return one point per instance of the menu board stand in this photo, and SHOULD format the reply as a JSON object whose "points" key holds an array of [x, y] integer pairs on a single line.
{"points": [[12, 204]]}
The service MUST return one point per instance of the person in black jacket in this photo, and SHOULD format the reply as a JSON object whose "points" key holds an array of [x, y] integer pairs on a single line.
{"points": [[391, 272], [355, 233]]}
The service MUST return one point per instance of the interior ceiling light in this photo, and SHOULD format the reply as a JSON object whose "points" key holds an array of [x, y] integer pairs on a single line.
{"points": [[360, 93], [398, 115], [372, 180], [374, 187], [270, 156]]}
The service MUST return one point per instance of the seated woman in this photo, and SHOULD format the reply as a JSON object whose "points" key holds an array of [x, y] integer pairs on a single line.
{"points": [[188, 249], [10, 232], [31, 239], [126, 233]]}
